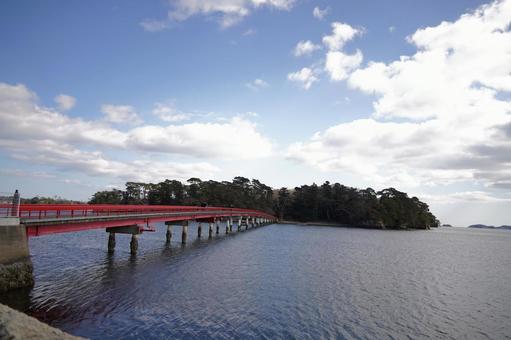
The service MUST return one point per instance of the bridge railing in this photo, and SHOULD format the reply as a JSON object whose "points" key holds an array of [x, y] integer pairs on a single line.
{"points": [[5, 210], [50, 211]]}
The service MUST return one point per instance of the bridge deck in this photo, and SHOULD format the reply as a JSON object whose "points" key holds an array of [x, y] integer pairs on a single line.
{"points": [[42, 219]]}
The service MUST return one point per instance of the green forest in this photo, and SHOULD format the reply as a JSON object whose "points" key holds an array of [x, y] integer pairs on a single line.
{"points": [[332, 203]]}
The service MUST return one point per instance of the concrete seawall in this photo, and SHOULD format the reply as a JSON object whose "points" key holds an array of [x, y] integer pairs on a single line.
{"points": [[15, 264], [15, 325]]}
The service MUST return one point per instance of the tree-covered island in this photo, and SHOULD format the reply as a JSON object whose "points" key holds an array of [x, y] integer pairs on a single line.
{"points": [[331, 203]]}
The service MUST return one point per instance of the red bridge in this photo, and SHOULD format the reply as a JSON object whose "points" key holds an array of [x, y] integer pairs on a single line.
{"points": [[18, 222], [43, 219]]}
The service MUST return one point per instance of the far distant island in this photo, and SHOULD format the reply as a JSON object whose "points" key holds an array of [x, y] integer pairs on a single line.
{"points": [[484, 226], [332, 204]]}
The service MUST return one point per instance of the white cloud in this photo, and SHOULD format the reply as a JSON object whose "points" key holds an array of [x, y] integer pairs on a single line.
{"points": [[337, 64], [340, 65], [464, 196], [21, 118], [341, 34], [204, 139], [319, 13], [65, 102], [168, 113], [305, 47], [249, 32], [392, 29], [305, 77], [37, 134], [229, 12], [251, 114], [21, 173], [440, 115], [120, 114], [151, 25], [68, 158], [257, 84]]}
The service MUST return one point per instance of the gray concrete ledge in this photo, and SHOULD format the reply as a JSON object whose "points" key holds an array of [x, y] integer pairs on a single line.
{"points": [[8, 221], [15, 325]]}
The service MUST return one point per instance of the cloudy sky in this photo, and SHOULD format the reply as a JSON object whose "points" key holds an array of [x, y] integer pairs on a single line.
{"points": [[413, 95]]}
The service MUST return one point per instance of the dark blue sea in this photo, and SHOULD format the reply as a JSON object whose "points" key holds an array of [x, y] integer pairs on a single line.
{"points": [[275, 282]]}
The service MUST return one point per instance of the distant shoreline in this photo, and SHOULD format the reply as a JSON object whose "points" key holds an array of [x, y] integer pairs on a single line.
{"points": [[483, 226], [320, 224], [340, 225]]}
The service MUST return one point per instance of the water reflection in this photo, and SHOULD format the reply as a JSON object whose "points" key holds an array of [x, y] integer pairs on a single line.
{"points": [[276, 281]]}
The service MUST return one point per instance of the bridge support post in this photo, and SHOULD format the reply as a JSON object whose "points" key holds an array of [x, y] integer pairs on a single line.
{"points": [[15, 264], [168, 236], [199, 230], [217, 225], [246, 223], [227, 227], [239, 223], [111, 242], [169, 233], [210, 230], [184, 233], [230, 224], [134, 244]]}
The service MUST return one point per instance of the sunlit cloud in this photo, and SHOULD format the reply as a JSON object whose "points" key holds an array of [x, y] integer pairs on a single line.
{"points": [[438, 117]]}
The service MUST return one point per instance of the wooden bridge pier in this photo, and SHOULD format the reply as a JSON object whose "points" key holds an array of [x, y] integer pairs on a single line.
{"points": [[133, 230], [134, 244], [199, 230], [184, 233], [111, 242], [169, 232]]}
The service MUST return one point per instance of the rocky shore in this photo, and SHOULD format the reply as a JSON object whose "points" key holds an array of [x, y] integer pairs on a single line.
{"points": [[15, 275]]}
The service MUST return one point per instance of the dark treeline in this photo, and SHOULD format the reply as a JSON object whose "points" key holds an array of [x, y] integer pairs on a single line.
{"points": [[39, 200], [240, 193], [334, 203], [48, 200]]}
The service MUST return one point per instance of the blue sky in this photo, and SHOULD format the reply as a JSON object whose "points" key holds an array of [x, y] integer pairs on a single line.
{"points": [[93, 94]]}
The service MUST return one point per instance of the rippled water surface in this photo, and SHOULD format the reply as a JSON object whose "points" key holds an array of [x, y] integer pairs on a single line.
{"points": [[279, 281]]}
